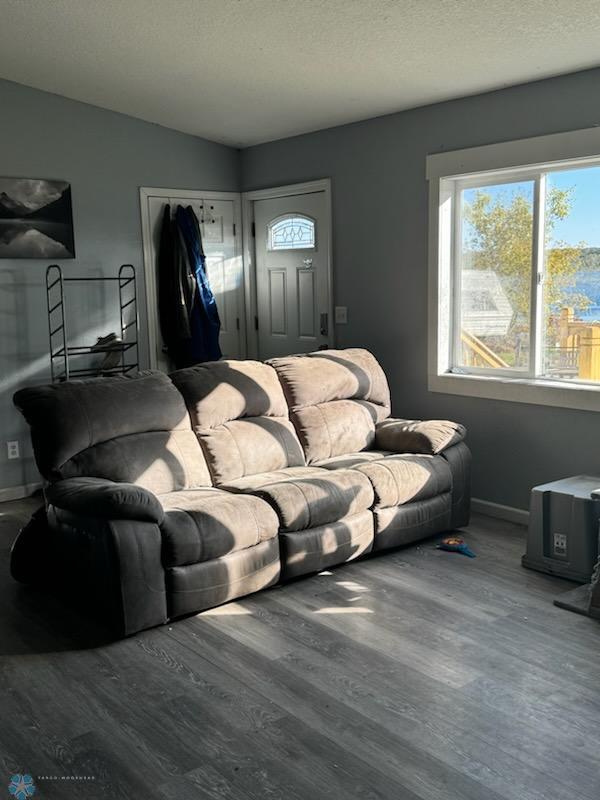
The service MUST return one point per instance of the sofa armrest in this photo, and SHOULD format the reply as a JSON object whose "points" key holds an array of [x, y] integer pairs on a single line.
{"points": [[111, 568], [414, 436], [103, 499]]}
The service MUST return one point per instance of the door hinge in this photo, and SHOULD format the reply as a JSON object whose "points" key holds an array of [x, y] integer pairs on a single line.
{"points": [[254, 230], [237, 323], [255, 323], [234, 228]]}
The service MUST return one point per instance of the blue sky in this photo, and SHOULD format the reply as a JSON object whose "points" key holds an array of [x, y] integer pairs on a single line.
{"points": [[583, 223]]}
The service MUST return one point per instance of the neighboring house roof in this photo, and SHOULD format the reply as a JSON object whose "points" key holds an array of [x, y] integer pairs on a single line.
{"points": [[486, 310]]}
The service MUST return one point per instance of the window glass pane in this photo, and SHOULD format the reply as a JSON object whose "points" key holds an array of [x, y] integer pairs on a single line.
{"points": [[571, 292], [292, 232], [494, 276]]}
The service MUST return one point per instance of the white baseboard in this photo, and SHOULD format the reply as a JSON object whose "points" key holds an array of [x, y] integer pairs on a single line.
{"points": [[518, 515], [18, 492]]}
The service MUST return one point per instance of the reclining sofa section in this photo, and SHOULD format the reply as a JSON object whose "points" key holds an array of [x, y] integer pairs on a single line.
{"points": [[169, 495]]}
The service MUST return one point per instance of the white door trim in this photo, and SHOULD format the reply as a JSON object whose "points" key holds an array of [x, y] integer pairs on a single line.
{"points": [[249, 260], [149, 268]]}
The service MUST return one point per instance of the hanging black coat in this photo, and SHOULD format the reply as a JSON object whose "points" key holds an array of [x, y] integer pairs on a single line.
{"points": [[189, 320], [176, 284]]}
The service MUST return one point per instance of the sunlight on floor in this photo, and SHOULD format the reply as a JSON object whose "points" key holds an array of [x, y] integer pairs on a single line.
{"points": [[353, 586], [230, 610], [344, 610]]}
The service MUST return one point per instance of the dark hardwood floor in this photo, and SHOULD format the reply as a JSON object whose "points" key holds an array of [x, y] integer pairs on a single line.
{"points": [[416, 674]]}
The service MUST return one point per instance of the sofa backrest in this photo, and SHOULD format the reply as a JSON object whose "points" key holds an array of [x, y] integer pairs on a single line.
{"points": [[134, 429], [240, 416], [335, 398]]}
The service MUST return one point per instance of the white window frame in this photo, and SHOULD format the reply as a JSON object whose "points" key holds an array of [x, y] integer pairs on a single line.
{"points": [[448, 174]]}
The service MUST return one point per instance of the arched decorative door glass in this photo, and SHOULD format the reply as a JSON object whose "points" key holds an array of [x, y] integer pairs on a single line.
{"points": [[291, 232]]}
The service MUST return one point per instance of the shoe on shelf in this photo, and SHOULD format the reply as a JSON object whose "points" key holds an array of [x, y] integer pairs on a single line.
{"points": [[111, 340]]}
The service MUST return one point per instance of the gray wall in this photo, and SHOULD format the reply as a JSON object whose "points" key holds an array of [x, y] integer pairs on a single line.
{"points": [[106, 157], [380, 251]]}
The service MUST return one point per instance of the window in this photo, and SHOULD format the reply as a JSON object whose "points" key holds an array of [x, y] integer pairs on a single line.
{"points": [[522, 310], [516, 274], [493, 276], [292, 232]]}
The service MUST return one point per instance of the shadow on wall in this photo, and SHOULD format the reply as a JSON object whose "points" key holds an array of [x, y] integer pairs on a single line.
{"points": [[24, 356]]}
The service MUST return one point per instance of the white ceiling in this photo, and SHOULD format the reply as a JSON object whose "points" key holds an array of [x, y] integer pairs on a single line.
{"points": [[248, 71]]}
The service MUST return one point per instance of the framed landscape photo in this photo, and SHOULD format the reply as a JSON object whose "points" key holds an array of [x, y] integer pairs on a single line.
{"points": [[36, 219]]}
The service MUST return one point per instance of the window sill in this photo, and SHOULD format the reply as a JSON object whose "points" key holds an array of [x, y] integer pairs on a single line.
{"points": [[538, 392]]}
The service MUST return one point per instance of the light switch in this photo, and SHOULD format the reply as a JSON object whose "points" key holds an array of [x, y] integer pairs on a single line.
{"points": [[341, 315]]}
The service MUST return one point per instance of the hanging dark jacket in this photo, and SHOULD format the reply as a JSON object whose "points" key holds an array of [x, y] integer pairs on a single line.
{"points": [[204, 322], [176, 284]]}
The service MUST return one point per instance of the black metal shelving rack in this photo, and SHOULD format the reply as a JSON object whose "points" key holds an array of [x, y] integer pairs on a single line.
{"points": [[61, 352]]}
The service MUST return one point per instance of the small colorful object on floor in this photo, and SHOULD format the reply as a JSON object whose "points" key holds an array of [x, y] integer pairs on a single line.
{"points": [[455, 545]]}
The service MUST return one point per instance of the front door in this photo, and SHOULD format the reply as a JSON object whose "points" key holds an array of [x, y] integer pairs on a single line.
{"points": [[292, 242]]}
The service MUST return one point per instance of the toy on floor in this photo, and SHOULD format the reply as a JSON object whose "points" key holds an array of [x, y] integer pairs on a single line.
{"points": [[455, 545]]}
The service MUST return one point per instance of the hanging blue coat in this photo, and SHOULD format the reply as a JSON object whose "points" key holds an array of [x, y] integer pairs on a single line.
{"points": [[204, 323]]}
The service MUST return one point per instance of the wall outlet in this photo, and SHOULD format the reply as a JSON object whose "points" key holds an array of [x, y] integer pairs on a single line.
{"points": [[341, 315], [13, 450]]}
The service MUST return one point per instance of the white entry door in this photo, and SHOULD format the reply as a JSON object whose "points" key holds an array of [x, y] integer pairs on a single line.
{"points": [[218, 214], [292, 257]]}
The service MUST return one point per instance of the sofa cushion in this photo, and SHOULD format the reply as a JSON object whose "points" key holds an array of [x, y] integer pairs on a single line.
{"points": [[336, 398], [404, 479], [250, 446], [161, 461], [336, 428], [316, 499], [324, 375], [219, 391], [251, 482], [203, 524], [351, 459], [416, 436], [240, 416], [132, 429]]}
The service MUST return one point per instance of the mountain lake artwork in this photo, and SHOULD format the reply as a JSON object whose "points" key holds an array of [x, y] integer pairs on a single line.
{"points": [[36, 219]]}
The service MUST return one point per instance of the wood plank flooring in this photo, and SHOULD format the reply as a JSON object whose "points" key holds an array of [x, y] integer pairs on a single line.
{"points": [[415, 675]]}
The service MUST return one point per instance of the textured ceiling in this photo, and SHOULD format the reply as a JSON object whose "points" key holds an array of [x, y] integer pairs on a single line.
{"points": [[248, 71]]}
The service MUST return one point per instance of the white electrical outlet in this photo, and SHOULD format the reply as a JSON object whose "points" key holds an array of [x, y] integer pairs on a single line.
{"points": [[341, 315], [12, 450]]}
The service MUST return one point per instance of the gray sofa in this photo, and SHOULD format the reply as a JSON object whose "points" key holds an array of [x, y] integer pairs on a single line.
{"points": [[167, 495]]}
